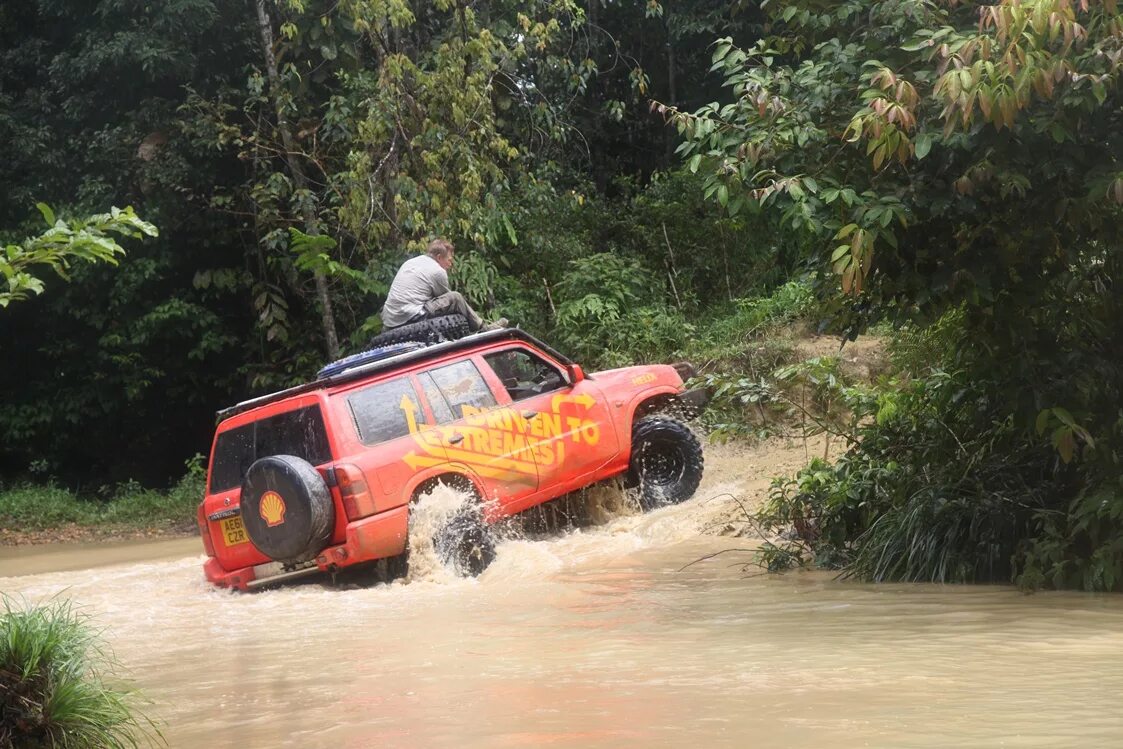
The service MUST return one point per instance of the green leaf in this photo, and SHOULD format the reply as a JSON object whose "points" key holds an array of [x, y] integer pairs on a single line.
{"points": [[917, 45], [48, 214], [1042, 421], [1064, 442], [722, 49], [510, 231], [923, 145], [1064, 416], [1099, 91]]}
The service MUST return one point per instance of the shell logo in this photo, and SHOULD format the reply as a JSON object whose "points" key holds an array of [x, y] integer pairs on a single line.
{"points": [[272, 508]]}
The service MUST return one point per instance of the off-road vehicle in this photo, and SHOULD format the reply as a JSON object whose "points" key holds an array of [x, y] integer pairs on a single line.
{"points": [[322, 476]]}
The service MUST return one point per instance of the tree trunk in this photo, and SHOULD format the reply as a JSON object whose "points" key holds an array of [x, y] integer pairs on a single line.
{"points": [[672, 97], [299, 180]]}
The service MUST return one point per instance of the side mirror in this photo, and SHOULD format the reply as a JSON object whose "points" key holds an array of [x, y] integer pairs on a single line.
{"points": [[576, 374]]}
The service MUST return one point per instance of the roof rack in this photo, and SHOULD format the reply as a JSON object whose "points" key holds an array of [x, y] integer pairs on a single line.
{"points": [[431, 351]]}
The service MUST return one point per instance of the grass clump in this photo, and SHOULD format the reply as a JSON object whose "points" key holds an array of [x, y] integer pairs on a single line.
{"points": [[53, 684]]}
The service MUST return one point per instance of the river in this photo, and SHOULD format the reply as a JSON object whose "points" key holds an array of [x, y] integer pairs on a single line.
{"points": [[603, 637]]}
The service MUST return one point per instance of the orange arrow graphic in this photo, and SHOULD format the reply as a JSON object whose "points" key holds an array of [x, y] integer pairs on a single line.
{"points": [[415, 461], [509, 464], [409, 408], [584, 399]]}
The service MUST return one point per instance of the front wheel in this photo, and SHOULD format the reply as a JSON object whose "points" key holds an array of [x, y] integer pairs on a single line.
{"points": [[666, 461]]}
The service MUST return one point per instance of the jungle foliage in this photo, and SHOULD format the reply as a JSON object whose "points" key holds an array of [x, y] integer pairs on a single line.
{"points": [[958, 166], [949, 169], [90, 239], [58, 687], [293, 154]]}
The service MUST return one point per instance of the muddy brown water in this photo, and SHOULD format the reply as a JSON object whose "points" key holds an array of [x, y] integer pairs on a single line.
{"points": [[598, 638]]}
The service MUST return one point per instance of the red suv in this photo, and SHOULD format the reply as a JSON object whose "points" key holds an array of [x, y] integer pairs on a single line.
{"points": [[321, 476]]}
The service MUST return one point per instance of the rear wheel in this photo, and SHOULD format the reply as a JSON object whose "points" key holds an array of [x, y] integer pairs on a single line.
{"points": [[465, 541], [666, 462], [389, 569]]}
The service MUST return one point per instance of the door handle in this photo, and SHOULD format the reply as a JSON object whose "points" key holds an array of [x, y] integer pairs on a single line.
{"points": [[528, 415], [456, 439]]}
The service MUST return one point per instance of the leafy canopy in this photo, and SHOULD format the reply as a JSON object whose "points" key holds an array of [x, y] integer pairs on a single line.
{"points": [[90, 239], [942, 153]]}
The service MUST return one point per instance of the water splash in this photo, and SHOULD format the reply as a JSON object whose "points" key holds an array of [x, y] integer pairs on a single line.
{"points": [[431, 512]]}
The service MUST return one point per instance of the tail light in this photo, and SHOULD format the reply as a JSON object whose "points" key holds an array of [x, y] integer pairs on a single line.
{"points": [[358, 502], [204, 532]]}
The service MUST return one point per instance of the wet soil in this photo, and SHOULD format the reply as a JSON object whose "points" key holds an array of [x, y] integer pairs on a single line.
{"points": [[69, 533]]}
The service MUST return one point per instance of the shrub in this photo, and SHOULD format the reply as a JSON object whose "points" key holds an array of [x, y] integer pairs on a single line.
{"points": [[609, 315], [127, 505], [53, 684], [941, 486]]}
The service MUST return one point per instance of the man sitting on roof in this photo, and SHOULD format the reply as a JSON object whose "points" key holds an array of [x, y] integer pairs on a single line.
{"points": [[420, 291]]}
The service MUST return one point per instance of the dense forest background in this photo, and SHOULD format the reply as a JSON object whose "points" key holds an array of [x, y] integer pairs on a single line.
{"points": [[633, 180], [522, 131]]}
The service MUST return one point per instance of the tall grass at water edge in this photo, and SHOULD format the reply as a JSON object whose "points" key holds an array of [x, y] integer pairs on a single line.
{"points": [[57, 687]]}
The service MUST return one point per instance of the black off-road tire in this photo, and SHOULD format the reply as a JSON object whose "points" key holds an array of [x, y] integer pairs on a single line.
{"points": [[667, 462], [465, 543], [304, 527], [432, 330]]}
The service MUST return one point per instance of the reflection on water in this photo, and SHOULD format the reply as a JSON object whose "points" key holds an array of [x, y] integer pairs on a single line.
{"points": [[600, 639]]}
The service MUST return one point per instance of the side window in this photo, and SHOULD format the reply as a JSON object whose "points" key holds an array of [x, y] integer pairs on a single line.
{"points": [[524, 374], [461, 384], [442, 411], [380, 412]]}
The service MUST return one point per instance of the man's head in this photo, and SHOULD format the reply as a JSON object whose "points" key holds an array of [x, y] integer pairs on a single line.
{"points": [[441, 250]]}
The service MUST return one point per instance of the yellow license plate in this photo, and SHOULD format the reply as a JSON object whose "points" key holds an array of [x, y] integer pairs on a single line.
{"points": [[233, 532]]}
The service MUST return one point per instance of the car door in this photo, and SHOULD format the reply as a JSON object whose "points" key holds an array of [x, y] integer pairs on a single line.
{"points": [[569, 429], [476, 433]]}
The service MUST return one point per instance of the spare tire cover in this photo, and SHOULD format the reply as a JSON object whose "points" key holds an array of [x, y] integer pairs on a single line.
{"points": [[287, 508]]}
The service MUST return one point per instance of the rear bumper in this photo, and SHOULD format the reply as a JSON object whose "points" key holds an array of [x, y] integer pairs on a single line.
{"points": [[376, 537]]}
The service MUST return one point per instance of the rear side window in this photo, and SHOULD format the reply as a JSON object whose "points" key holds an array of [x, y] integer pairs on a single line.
{"points": [[300, 433], [381, 414], [442, 412], [461, 384]]}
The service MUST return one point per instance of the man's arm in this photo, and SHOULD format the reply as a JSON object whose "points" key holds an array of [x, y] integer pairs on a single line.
{"points": [[438, 279]]}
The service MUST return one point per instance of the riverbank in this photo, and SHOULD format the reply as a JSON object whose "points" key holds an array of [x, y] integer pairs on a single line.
{"points": [[31, 514], [36, 515], [74, 533], [738, 477]]}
